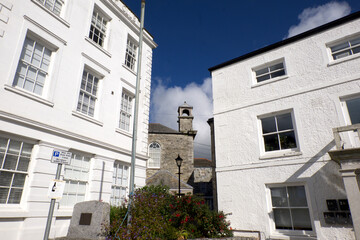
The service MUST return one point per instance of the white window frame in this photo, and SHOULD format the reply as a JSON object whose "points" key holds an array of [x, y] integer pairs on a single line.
{"points": [[83, 92], [284, 232], [126, 111], [100, 23], [131, 54], [118, 188], [30, 65], [269, 72], [78, 179], [349, 49], [281, 152], [151, 163], [15, 171], [51, 5], [350, 138]]}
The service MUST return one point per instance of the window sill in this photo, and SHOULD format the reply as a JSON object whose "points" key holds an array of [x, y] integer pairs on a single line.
{"points": [[153, 168], [98, 46], [16, 211], [52, 14], [344, 59], [87, 118], [280, 154], [28, 95], [126, 133], [292, 237], [129, 69], [269, 81]]}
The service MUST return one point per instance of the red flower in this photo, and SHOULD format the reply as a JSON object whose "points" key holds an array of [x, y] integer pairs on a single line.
{"points": [[170, 220]]}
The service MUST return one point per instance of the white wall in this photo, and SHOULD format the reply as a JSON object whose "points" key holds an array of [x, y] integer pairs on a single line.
{"points": [[312, 90], [51, 122]]}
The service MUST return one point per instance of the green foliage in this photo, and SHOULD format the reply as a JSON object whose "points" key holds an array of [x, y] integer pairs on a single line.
{"points": [[157, 214]]}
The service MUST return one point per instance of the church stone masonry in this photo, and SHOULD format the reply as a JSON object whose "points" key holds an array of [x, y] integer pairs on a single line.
{"points": [[173, 143]]}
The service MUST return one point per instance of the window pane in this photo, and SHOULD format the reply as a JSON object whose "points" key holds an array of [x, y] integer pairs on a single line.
{"points": [[301, 219], [15, 195], [263, 78], [297, 197], [356, 50], [340, 46], [262, 71], [278, 73], [271, 142], [287, 140], [284, 122], [353, 106], [282, 219], [14, 147], [276, 67], [10, 162], [5, 179], [355, 41], [27, 50], [19, 180], [279, 197], [37, 56], [3, 195], [342, 54], [268, 125]]}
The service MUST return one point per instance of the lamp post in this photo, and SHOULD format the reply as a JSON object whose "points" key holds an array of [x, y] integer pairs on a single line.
{"points": [[178, 163]]}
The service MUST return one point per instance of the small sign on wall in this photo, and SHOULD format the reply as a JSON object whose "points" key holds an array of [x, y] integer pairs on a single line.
{"points": [[61, 157], [56, 189]]}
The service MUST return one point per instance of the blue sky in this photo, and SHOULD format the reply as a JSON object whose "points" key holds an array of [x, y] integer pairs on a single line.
{"points": [[194, 35]]}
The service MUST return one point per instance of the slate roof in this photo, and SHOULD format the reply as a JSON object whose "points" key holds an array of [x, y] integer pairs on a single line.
{"points": [[202, 162], [165, 177], [159, 128]]}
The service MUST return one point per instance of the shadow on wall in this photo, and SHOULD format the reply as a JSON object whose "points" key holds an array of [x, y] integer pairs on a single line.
{"points": [[324, 185]]}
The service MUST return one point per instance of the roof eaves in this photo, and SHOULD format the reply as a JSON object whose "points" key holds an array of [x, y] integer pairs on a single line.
{"points": [[295, 38]]}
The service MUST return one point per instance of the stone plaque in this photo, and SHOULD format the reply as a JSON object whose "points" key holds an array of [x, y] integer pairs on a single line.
{"points": [[85, 219]]}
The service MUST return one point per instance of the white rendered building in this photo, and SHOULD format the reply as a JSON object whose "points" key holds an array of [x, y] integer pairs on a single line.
{"points": [[275, 111], [68, 76]]}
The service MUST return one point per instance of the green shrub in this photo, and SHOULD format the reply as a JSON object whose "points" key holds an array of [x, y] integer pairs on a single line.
{"points": [[157, 214]]}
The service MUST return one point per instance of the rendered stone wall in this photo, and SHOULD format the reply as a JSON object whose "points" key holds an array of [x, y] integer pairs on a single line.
{"points": [[171, 146], [312, 90]]}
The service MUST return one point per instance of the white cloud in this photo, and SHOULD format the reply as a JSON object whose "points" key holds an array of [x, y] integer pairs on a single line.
{"points": [[166, 100], [313, 17]]}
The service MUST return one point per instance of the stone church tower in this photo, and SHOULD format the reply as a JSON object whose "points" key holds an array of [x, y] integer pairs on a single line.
{"points": [[165, 144]]}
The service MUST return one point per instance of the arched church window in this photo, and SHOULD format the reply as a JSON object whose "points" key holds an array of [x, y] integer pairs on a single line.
{"points": [[155, 155]]}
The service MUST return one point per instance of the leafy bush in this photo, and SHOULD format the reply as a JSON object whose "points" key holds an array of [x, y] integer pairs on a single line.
{"points": [[157, 214]]}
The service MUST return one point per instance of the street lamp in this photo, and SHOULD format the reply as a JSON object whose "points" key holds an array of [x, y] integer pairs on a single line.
{"points": [[178, 163]]}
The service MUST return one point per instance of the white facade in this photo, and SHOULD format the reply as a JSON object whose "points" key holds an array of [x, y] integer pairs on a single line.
{"points": [[78, 59], [300, 105]]}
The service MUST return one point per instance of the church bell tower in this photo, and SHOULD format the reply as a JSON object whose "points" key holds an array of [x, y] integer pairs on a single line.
{"points": [[185, 118]]}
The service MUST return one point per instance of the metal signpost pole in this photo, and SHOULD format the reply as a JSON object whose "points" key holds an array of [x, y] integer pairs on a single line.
{"points": [[136, 109], [52, 205]]}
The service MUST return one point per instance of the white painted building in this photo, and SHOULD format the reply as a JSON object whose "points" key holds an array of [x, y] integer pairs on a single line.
{"points": [[274, 113], [68, 76]]}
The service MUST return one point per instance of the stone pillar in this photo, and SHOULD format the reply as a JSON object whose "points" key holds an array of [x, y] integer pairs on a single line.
{"points": [[349, 160], [352, 191]]}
